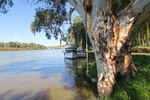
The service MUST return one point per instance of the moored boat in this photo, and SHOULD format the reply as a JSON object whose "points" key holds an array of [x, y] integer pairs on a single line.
{"points": [[71, 52]]}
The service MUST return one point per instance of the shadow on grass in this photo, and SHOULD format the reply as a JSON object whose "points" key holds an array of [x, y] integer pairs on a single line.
{"points": [[136, 88]]}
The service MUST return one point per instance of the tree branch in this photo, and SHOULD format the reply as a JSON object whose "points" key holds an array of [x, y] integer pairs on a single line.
{"points": [[137, 10], [70, 13], [74, 4]]}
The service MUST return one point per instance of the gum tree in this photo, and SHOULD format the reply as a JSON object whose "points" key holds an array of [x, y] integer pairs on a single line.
{"points": [[109, 24]]}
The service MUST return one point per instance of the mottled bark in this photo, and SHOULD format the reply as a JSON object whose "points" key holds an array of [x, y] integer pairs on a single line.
{"points": [[109, 36], [112, 53]]}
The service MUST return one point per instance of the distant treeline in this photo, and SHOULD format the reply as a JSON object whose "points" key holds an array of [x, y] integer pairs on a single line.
{"points": [[57, 47], [22, 45]]}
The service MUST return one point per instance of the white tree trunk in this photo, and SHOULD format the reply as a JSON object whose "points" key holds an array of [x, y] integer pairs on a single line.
{"points": [[109, 36]]}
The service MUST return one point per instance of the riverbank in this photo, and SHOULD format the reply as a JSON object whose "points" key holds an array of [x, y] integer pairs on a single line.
{"points": [[16, 49]]}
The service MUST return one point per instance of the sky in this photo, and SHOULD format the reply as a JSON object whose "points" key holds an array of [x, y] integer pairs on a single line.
{"points": [[15, 25]]}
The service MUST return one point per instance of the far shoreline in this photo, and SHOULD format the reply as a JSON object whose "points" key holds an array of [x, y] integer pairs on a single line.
{"points": [[17, 49]]}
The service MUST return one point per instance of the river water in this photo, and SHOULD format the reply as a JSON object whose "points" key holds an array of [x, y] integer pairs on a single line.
{"points": [[43, 75]]}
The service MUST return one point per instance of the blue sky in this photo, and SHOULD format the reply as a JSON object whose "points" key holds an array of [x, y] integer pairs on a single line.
{"points": [[15, 25]]}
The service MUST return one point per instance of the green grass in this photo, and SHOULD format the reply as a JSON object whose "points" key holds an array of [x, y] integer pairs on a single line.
{"points": [[135, 88], [142, 47]]}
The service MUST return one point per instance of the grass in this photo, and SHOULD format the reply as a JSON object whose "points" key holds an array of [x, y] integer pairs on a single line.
{"points": [[148, 47], [135, 88]]}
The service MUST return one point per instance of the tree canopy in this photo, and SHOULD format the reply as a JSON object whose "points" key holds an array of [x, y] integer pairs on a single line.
{"points": [[5, 5], [50, 18]]}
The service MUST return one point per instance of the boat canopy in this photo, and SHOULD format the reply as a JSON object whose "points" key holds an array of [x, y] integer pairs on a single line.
{"points": [[71, 47]]}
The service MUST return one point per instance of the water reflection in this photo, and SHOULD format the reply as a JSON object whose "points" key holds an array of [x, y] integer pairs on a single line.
{"points": [[45, 77], [85, 88]]}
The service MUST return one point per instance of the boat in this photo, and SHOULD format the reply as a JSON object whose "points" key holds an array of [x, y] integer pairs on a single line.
{"points": [[81, 53], [70, 52]]}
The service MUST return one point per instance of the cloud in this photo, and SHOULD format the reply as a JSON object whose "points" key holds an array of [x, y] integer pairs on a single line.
{"points": [[17, 38]]}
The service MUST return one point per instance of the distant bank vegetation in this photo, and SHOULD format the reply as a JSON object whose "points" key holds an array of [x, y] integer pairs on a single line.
{"points": [[20, 46], [57, 47]]}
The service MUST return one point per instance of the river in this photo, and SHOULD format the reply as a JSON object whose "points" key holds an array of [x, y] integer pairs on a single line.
{"points": [[43, 75]]}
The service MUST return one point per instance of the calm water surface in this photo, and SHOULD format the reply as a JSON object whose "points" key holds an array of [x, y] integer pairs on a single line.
{"points": [[43, 75]]}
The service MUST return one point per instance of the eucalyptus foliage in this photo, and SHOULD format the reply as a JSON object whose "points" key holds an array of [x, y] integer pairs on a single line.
{"points": [[50, 18], [5, 5]]}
